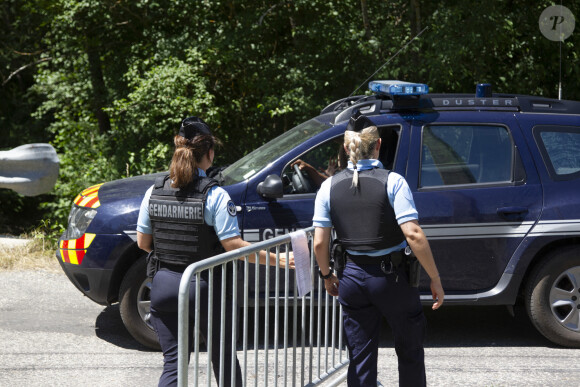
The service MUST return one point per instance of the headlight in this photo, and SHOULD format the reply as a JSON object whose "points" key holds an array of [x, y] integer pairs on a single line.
{"points": [[78, 221]]}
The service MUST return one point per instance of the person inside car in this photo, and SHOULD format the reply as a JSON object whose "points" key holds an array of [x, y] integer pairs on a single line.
{"points": [[318, 175]]}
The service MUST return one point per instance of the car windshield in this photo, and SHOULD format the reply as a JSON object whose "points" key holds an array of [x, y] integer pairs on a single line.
{"points": [[255, 161]]}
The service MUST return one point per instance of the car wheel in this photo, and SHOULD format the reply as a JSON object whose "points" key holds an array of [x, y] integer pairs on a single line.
{"points": [[135, 303], [553, 297]]}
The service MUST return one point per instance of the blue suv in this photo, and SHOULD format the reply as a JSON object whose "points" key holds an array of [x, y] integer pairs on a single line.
{"points": [[495, 178]]}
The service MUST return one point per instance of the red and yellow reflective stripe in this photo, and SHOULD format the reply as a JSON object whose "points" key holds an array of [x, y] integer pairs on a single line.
{"points": [[74, 250], [89, 197]]}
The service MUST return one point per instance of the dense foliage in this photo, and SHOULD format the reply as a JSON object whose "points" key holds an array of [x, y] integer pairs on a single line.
{"points": [[107, 82]]}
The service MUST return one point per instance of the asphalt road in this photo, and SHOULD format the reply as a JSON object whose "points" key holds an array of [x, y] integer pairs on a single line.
{"points": [[51, 335]]}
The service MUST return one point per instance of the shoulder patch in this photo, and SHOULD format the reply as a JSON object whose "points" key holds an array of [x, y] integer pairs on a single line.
{"points": [[232, 208]]}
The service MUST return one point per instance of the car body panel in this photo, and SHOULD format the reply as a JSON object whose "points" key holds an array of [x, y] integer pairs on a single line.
{"points": [[468, 233]]}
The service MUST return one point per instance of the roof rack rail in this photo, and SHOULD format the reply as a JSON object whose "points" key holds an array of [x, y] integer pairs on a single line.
{"points": [[532, 104], [370, 107], [343, 103]]}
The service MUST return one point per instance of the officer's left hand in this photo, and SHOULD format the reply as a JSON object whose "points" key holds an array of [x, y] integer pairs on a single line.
{"points": [[437, 292], [331, 285]]}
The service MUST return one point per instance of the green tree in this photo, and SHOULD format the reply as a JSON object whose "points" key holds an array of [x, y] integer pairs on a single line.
{"points": [[110, 80]]}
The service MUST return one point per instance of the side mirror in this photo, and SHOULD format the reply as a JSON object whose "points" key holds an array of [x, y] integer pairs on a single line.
{"points": [[271, 188]]}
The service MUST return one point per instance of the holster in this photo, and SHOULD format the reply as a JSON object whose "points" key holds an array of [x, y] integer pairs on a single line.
{"points": [[407, 260], [412, 267], [337, 256], [152, 264]]}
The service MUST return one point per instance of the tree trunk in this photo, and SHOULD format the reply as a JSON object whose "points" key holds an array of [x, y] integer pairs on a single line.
{"points": [[415, 17], [415, 29], [365, 17], [99, 89]]}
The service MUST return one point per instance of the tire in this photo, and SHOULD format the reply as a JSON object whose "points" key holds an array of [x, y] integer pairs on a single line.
{"points": [[553, 297], [135, 303]]}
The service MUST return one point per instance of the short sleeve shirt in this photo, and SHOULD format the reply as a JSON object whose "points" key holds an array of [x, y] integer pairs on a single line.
{"points": [[219, 212], [397, 190]]}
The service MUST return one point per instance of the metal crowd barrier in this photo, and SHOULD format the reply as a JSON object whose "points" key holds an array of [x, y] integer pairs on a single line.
{"points": [[314, 356]]}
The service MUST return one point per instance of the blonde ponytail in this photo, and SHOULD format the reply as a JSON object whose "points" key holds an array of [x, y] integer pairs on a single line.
{"points": [[353, 141], [360, 146]]}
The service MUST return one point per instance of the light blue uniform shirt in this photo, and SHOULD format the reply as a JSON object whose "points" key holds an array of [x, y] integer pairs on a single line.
{"points": [[397, 190], [216, 214]]}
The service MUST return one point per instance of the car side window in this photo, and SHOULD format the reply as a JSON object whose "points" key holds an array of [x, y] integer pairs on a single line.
{"points": [[465, 154], [559, 147], [316, 165], [330, 158]]}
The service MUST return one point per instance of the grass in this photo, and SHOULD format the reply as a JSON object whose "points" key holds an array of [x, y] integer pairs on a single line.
{"points": [[38, 254]]}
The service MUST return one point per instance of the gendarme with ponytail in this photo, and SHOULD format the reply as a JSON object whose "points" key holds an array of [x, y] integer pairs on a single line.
{"points": [[192, 143], [360, 139]]}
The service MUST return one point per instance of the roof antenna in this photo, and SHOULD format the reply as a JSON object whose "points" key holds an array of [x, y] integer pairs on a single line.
{"points": [[390, 59], [557, 23]]}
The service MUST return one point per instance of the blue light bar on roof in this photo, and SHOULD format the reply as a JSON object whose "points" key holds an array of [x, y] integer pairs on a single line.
{"points": [[399, 88]]}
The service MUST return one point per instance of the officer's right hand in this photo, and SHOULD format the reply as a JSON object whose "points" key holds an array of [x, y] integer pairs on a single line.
{"points": [[437, 292], [331, 285], [286, 260]]}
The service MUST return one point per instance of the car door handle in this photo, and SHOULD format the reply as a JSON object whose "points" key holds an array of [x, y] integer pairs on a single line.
{"points": [[512, 213]]}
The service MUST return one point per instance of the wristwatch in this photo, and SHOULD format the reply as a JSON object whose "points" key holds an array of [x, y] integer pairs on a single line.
{"points": [[325, 277]]}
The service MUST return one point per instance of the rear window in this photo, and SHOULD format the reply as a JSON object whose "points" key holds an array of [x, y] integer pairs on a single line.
{"points": [[560, 149], [465, 155]]}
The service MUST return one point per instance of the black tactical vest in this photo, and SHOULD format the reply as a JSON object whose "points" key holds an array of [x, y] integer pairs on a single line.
{"points": [[362, 216], [180, 235]]}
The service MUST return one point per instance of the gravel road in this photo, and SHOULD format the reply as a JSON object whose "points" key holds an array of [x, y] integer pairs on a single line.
{"points": [[53, 336]]}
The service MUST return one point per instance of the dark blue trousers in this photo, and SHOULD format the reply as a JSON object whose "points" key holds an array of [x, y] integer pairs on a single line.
{"points": [[164, 318], [367, 294]]}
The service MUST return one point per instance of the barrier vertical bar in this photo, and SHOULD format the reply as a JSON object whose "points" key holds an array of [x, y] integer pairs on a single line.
{"points": [[196, 328], [276, 321], [267, 313], [311, 241], [222, 324], [294, 331], [333, 340], [340, 327], [319, 338], [256, 314], [303, 343], [245, 333], [326, 318], [234, 327], [209, 326], [286, 294], [182, 337]]}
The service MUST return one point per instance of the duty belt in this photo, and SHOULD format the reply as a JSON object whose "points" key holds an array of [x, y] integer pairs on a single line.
{"points": [[172, 266], [389, 263], [395, 258], [393, 263], [364, 259]]}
